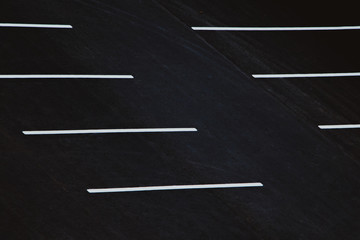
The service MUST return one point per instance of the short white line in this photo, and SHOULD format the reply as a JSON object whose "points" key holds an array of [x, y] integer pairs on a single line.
{"points": [[97, 131], [307, 75], [174, 187], [25, 25], [276, 28], [343, 126], [60, 76]]}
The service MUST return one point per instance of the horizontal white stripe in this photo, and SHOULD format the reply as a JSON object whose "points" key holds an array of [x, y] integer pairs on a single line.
{"points": [[174, 187], [25, 25], [275, 28], [343, 126], [32, 76], [307, 75], [94, 131]]}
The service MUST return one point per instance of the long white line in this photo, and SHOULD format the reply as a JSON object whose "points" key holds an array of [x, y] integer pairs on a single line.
{"points": [[97, 131], [343, 126], [307, 75], [174, 187], [25, 25], [60, 76], [276, 28]]}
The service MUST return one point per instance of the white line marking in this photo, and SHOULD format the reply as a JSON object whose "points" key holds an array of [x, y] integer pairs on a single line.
{"points": [[97, 131], [174, 187], [275, 28], [307, 75], [343, 126], [25, 25], [58, 76]]}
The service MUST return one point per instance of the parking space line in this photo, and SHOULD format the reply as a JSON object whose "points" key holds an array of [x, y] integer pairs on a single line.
{"points": [[99, 131], [308, 75], [175, 187], [340, 126], [26, 25], [60, 76], [336, 28]]}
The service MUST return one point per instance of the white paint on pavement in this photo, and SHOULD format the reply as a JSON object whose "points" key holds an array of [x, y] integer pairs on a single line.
{"points": [[98, 131], [63, 76], [175, 187], [308, 75], [335, 28], [342, 126], [26, 25]]}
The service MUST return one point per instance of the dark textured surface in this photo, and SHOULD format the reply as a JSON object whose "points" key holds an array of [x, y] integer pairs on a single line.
{"points": [[248, 130], [319, 101]]}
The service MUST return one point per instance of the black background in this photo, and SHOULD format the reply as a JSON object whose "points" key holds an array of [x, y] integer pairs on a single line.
{"points": [[249, 130]]}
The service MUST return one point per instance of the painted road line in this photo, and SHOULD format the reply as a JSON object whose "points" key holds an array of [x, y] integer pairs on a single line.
{"points": [[63, 76], [26, 25], [307, 75], [98, 131], [175, 187], [343, 126], [336, 28]]}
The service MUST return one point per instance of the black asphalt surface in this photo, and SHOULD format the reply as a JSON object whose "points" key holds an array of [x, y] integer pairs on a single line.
{"points": [[248, 130]]}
